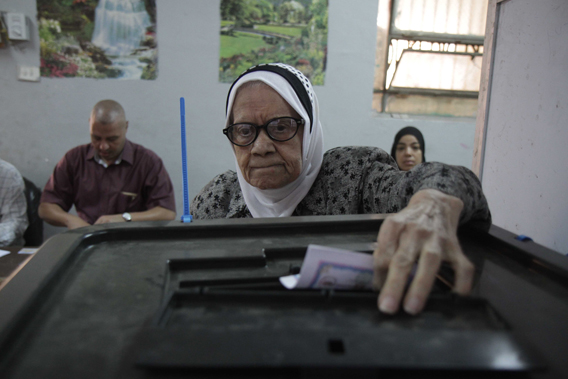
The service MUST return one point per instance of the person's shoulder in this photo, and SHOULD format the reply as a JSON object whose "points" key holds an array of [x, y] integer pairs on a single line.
{"points": [[10, 176], [7, 167], [355, 150], [227, 178], [217, 197], [78, 151], [361, 154], [8, 170], [221, 185], [142, 151]]}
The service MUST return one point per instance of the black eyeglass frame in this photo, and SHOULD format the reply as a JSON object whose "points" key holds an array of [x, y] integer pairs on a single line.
{"points": [[299, 122]]}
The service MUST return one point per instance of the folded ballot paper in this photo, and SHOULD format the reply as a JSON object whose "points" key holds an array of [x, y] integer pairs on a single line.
{"points": [[327, 268]]}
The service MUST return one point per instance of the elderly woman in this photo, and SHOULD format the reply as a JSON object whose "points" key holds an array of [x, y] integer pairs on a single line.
{"points": [[275, 132], [408, 148]]}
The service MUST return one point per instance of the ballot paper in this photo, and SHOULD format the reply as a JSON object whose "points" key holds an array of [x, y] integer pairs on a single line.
{"points": [[327, 268], [27, 250]]}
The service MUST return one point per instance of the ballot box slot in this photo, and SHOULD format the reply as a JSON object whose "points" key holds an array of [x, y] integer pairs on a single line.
{"points": [[255, 272], [199, 271], [216, 263], [248, 281], [260, 270], [273, 253], [260, 285]]}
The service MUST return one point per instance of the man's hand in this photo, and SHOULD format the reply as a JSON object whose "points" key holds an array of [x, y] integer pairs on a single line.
{"points": [[105, 219], [154, 214], [424, 231], [76, 222], [55, 215]]}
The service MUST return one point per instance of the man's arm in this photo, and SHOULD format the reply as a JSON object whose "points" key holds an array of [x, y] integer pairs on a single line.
{"points": [[155, 214], [55, 215], [58, 193]]}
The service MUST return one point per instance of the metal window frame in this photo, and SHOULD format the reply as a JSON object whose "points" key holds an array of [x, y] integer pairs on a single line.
{"points": [[418, 36]]}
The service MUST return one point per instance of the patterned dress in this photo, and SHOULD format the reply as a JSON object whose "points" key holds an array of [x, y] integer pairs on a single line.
{"points": [[356, 180]]}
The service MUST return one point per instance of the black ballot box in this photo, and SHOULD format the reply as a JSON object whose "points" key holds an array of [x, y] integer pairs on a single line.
{"points": [[203, 300]]}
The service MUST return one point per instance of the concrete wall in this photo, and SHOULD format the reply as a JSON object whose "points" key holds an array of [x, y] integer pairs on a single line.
{"points": [[525, 171], [40, 121]]}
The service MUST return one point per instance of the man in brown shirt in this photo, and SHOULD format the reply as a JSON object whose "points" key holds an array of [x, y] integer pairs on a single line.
{"points": [[109, 180]]}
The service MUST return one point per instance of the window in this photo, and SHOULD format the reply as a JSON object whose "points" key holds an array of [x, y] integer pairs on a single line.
{"points": [[428, 58]]}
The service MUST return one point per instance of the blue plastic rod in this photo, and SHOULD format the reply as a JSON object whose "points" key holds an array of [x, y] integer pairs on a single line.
{"points": [[186, 217]]}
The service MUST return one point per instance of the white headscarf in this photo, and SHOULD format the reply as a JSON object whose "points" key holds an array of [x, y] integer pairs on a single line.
{"points": [[281, 202]]}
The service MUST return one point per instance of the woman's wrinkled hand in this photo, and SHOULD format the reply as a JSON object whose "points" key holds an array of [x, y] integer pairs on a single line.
{"points": [[425, 232]]}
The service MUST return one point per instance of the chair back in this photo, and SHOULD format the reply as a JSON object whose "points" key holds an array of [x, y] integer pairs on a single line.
{"points": [[34, 233]]}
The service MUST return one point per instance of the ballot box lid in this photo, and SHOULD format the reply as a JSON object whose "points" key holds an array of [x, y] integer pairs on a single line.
{"points": [[153, 299]]}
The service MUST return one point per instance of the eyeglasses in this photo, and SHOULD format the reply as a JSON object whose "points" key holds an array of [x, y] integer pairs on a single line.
{"points": [[279, 129]]}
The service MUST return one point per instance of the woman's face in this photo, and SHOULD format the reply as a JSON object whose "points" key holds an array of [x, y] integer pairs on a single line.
{"points": [[267, 164], [408, 152]]}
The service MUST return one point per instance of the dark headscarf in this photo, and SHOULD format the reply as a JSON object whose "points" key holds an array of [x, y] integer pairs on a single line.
{"points": [[412, 131]]}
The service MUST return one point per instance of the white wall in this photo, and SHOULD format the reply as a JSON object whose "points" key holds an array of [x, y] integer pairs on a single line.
{"points": [[39, 122], [525, 170]]}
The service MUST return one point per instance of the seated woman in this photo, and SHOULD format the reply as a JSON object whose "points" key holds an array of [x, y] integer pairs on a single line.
{"points": [[273, 126], [408, 148]]}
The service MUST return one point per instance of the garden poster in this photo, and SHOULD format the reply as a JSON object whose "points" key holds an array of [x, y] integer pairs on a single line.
{"points": [[98, 39], [264, 31]]}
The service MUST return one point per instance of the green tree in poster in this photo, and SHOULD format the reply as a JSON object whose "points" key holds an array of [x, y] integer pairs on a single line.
{"points": [[231, 9], [291, 12], [246, 13], [267, 11], [318, 10]]}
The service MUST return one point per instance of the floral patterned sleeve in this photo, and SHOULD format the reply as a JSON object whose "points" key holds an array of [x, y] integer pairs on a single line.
{"points": [[358, 179], [388, 190], [220, 198]]}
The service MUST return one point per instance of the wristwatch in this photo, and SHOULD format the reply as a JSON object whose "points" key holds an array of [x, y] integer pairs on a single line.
{"points": [[127, 217]]}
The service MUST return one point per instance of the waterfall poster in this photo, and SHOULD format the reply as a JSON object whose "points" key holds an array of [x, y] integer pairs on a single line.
{"points": [[98, 39], [264, 31]]}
